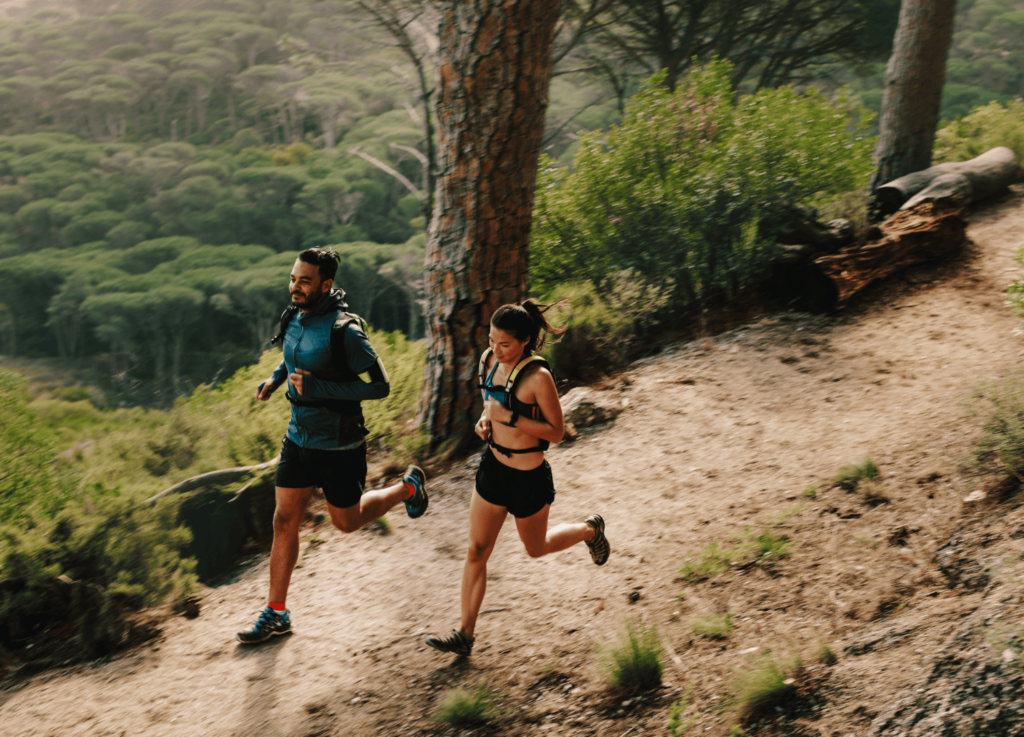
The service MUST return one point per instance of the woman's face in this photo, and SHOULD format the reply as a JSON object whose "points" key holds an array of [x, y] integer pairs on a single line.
{"points": [[506, 348]]}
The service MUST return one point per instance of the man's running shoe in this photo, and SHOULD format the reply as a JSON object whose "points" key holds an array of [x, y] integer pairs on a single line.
{"points": [[599, 547], [268, 624], [416, 505], [455, 643]]}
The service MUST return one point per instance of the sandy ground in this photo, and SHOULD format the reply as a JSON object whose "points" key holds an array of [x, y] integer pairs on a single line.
{"points": [[721, 435]]}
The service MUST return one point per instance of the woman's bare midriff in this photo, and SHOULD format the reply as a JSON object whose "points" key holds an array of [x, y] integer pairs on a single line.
{"points": [[509, 437]]}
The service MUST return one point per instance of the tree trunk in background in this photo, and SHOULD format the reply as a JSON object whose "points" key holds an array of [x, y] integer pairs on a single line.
{"points": [[913, 89], [492, 93]]}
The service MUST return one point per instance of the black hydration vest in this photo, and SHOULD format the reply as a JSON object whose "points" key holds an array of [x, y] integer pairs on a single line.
{"points": [[513, 402], [341, 373]]}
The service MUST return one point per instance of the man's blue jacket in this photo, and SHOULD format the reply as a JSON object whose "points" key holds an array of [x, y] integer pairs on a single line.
{"points": [[306, 345]]}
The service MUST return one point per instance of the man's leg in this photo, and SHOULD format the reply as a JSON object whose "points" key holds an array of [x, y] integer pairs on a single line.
{"points": [[291, 506], [288, 513], [372, 505]]}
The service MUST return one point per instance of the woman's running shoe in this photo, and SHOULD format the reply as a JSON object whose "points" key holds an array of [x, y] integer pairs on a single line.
{"points": [[416, 505], [599, 547], [455, 643], [268, 624]]}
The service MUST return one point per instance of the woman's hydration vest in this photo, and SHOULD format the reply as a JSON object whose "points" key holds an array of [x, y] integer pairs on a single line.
{"points": [[507, 396]]}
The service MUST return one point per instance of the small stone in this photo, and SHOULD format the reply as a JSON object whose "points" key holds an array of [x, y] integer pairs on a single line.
{"points": [[633, 596], [750, 650], [975, 497], [354, 701], [1009, 655]]}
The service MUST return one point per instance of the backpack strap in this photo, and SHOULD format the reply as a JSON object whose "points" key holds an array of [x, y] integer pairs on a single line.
{"points": [[482, 370], [375, 373], [338, 329], [286, 317], [513, 377]]}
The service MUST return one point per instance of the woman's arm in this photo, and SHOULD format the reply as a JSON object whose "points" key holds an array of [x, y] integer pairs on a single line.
{"points": [[541, 384]]}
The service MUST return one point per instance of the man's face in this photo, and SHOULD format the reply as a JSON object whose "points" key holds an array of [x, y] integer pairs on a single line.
{"points": [[306, 286]]}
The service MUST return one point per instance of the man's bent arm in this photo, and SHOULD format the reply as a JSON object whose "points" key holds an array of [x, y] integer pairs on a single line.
{"points": [[280, 375], [373, 382]]}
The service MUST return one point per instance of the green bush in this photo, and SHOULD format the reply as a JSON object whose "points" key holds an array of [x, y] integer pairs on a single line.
{"points": [[129, 549], [637, 661], [679, 192], [1001, 447], [30, 483], [984, 128], [603, 328], [465, 707]]}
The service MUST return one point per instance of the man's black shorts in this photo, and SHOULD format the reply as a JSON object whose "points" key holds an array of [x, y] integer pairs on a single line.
{"points": [[340, 473], [522, 493]]}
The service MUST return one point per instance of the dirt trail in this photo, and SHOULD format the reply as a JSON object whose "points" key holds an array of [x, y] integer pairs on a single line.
{"points": [[720, 434]]}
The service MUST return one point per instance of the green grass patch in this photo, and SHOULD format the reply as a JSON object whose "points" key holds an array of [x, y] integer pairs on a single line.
{"points": [[463, 707], [714, 559], [825, 654], [677, 725], [769, 548], [873, 492], [714, 626], [763, 683], [811, 492], [866, 541], [1001, 402], [636, 662], [850, 475], [780, 518], [764, 549]]}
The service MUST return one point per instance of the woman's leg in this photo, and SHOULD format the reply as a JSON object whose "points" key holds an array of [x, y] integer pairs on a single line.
{"points": [[539, 540], [485, 521]]}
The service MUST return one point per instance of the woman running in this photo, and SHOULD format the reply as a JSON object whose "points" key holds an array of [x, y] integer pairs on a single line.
{"points": [[522, 416]]}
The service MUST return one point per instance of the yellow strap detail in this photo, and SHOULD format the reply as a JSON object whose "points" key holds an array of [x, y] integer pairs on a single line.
{"points": [[519, 368]]}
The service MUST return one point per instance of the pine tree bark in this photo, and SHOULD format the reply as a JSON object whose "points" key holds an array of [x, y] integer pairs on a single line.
{"points": [[913, 89], [492, 94]]}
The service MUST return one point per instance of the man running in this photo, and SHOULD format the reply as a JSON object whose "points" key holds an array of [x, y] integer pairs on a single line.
{"points": [[330, 367]]}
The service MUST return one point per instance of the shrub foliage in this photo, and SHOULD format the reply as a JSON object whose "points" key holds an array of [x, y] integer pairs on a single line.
{"points": [[984, 128], [681, 192]]}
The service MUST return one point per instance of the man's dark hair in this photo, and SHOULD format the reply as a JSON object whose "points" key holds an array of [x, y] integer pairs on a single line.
{"points": [[325, 259]]}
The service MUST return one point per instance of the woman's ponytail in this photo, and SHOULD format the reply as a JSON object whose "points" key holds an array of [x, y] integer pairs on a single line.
{"points": [[526, 321]]}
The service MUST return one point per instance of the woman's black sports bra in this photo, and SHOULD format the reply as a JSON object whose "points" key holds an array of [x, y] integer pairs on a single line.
{"points": [[497, 393]]}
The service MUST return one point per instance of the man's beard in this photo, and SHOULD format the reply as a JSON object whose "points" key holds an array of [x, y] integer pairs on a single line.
{"points": [[309, 302]]}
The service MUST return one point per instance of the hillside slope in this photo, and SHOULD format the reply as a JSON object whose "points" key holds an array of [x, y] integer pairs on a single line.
{"points": [[721, 435]]}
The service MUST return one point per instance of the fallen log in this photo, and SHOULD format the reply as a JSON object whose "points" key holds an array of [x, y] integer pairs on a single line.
{"points": [[213, 478], [963, 181], [930, 230]]}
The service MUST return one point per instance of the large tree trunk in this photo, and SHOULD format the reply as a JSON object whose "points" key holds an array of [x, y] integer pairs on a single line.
{"points": [[913, 89], [492, 93]]}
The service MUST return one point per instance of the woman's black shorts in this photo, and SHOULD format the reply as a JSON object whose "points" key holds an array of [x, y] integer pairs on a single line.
{"points": [[340, 473], [522, 493]]}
